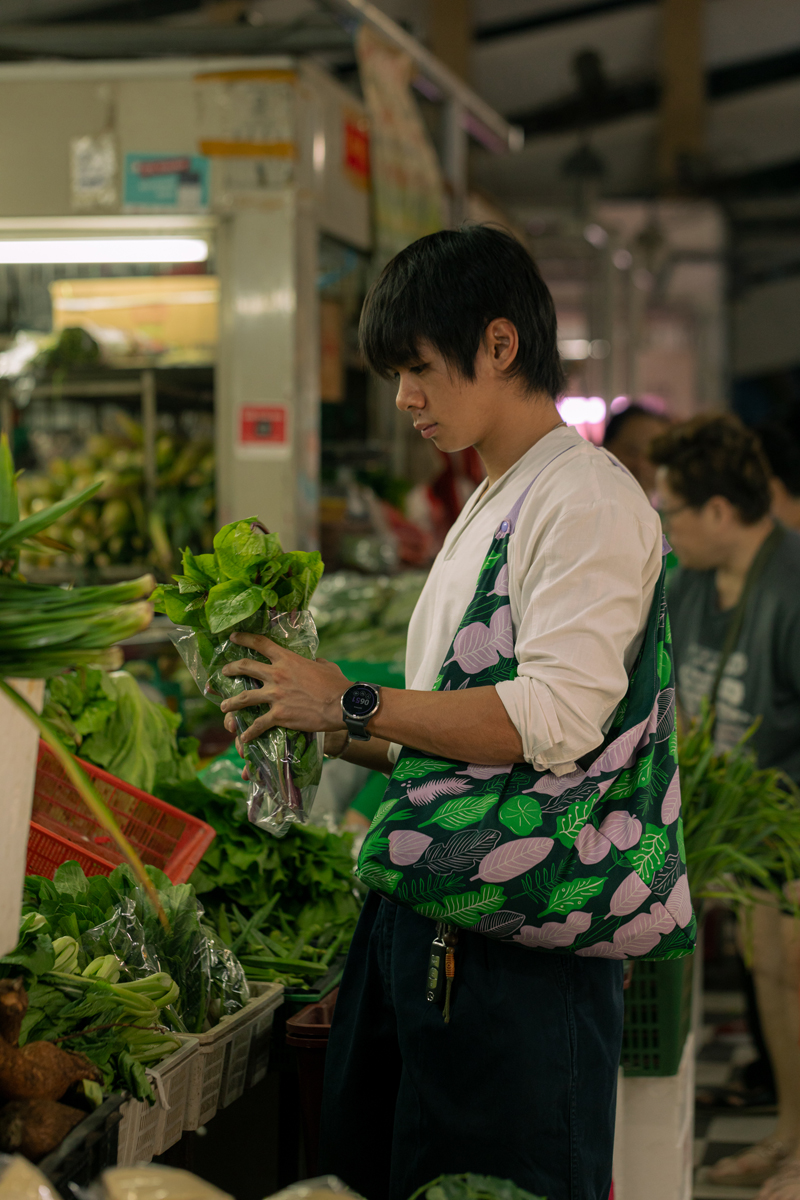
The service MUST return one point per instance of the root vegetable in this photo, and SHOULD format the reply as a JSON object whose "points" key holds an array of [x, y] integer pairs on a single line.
{"points": [[13, 1006], [41, 1070], [35, 1127]]}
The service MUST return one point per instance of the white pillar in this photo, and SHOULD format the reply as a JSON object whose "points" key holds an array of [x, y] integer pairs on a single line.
{"points": [[19, 744]]}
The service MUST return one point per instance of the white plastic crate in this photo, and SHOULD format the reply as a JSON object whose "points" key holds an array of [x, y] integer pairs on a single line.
{"points": [[150, 1129], [221, 1069], [261, 1042]]}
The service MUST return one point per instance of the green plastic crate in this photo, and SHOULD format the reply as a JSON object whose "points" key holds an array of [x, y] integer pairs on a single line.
{"points": [[658, 1014]]}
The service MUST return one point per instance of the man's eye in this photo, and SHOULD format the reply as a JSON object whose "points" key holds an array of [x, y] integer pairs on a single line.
{"points": [[419, 369]]}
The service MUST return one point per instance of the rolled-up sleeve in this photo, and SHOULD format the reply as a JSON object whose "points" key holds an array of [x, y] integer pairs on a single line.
{"points": [[583, 597]]}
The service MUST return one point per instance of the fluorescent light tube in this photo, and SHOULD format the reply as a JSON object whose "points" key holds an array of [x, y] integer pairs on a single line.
{"points": [[104, 250]]}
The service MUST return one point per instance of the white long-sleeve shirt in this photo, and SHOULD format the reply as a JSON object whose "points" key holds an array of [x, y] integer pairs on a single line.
{"points": [[584, 560]]}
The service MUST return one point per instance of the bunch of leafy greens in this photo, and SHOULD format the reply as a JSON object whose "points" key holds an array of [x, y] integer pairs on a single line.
{"points": [[115, 916], [248, 574], [287, 907], [77, 1000], [741, 824], [472, 1187], [108, 720], [249, 585]]}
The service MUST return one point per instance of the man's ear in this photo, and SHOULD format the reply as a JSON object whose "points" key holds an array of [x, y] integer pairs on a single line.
{"points": [[502, 343]]}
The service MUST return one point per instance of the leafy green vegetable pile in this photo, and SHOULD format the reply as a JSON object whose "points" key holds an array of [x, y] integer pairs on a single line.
{"points": [[249, 585], [472, 1187], [741, 824], [365, 618], [286, 907], [108, 720], [116, 1025], [106, 928]]}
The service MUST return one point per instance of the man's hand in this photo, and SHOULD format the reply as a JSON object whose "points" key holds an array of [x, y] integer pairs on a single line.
{"points": [[301, 694]]}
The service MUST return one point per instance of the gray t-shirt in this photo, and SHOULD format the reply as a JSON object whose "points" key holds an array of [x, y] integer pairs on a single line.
{"points": [[762, 676]]}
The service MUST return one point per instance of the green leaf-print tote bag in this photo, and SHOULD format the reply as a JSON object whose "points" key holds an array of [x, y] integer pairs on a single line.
{"points": [[590, 863]]}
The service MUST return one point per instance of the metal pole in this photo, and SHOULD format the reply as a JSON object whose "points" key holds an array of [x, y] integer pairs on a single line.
{"points": [[149, 427], [454, 158]]}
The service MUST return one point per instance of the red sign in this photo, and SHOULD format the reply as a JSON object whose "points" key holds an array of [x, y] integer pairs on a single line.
{"points": [[263, 425], [356, 150]]}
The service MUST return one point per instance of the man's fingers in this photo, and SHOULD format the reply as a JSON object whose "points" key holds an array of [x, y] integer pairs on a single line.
{"points": [[257, 641], [250, 698], [230, 723], [248, 666], [259, 726]]}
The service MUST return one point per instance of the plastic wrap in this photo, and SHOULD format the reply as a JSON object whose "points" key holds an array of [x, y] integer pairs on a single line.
{"points": [[210, 977], [284, 765]]}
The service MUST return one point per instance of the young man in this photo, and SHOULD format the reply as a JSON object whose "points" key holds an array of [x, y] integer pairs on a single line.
{"points": [[714, 484], [521, 1082]]}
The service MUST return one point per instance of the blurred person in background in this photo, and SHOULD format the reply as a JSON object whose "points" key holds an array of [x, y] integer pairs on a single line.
{"points": [[629, 435], [782, 449], [735, 615]]}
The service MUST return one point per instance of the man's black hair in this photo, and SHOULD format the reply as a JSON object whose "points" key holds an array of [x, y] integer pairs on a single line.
{"points": [[445, 289], [783, 453], [716, 455], [619, 420]]}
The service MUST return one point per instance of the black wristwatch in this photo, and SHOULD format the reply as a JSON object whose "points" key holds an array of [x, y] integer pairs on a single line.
{"points": [[360, 702]]}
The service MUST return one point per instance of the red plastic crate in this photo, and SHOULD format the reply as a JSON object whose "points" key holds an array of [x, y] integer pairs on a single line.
{"points": [[63, 828]]}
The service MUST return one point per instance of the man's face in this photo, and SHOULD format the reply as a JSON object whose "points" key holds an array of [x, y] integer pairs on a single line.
{"points": [[701, 537], [631, 447], [450, 411]]}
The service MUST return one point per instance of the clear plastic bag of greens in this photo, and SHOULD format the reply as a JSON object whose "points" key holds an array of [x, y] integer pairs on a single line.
{"points": [[284, 765]]}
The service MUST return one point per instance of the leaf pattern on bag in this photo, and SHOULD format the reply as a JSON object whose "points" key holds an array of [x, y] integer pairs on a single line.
{"points": [[514, 858], [592, 845], [554, 933], [479, 646], [666, 714], [650, 855], [521, 814], [418, 768], [460, 852], [569, 826], [380, 877], [597, 855], [623, 829], [501, 583], [679, 903], [476, 771], [424, 793], [643, 933], [385, 807], [407, 845], [573, 894], [671, 804], [500, 924], [457, 814], [629, 896], [668, 876]]}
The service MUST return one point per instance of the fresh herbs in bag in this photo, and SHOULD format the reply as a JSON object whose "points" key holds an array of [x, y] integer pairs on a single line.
{"points": [[248, 585]]}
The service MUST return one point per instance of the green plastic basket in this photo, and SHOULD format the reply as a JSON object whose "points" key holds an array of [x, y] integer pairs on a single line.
{"points": [[658, 1013]]}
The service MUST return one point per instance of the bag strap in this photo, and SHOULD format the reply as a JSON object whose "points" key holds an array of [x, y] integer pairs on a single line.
{"points": [[757, 569]]}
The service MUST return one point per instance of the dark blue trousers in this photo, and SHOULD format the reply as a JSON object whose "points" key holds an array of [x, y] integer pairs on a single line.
{"points": [[521, 1084]]}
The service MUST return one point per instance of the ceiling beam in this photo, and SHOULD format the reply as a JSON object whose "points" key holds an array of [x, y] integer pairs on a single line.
{"points": [[26, 11], [480, 118]]}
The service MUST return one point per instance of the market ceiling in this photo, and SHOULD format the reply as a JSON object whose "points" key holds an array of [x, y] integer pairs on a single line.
{"points": [[569, 72]]}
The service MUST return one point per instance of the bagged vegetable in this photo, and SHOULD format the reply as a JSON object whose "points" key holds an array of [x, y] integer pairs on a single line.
{"points": [[248, 585]]}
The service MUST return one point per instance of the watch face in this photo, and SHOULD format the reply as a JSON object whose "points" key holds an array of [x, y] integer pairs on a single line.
{"points": [[359, 701]]}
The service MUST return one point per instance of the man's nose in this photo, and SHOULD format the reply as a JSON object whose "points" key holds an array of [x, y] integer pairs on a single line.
{"points": [[409, 394]]}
